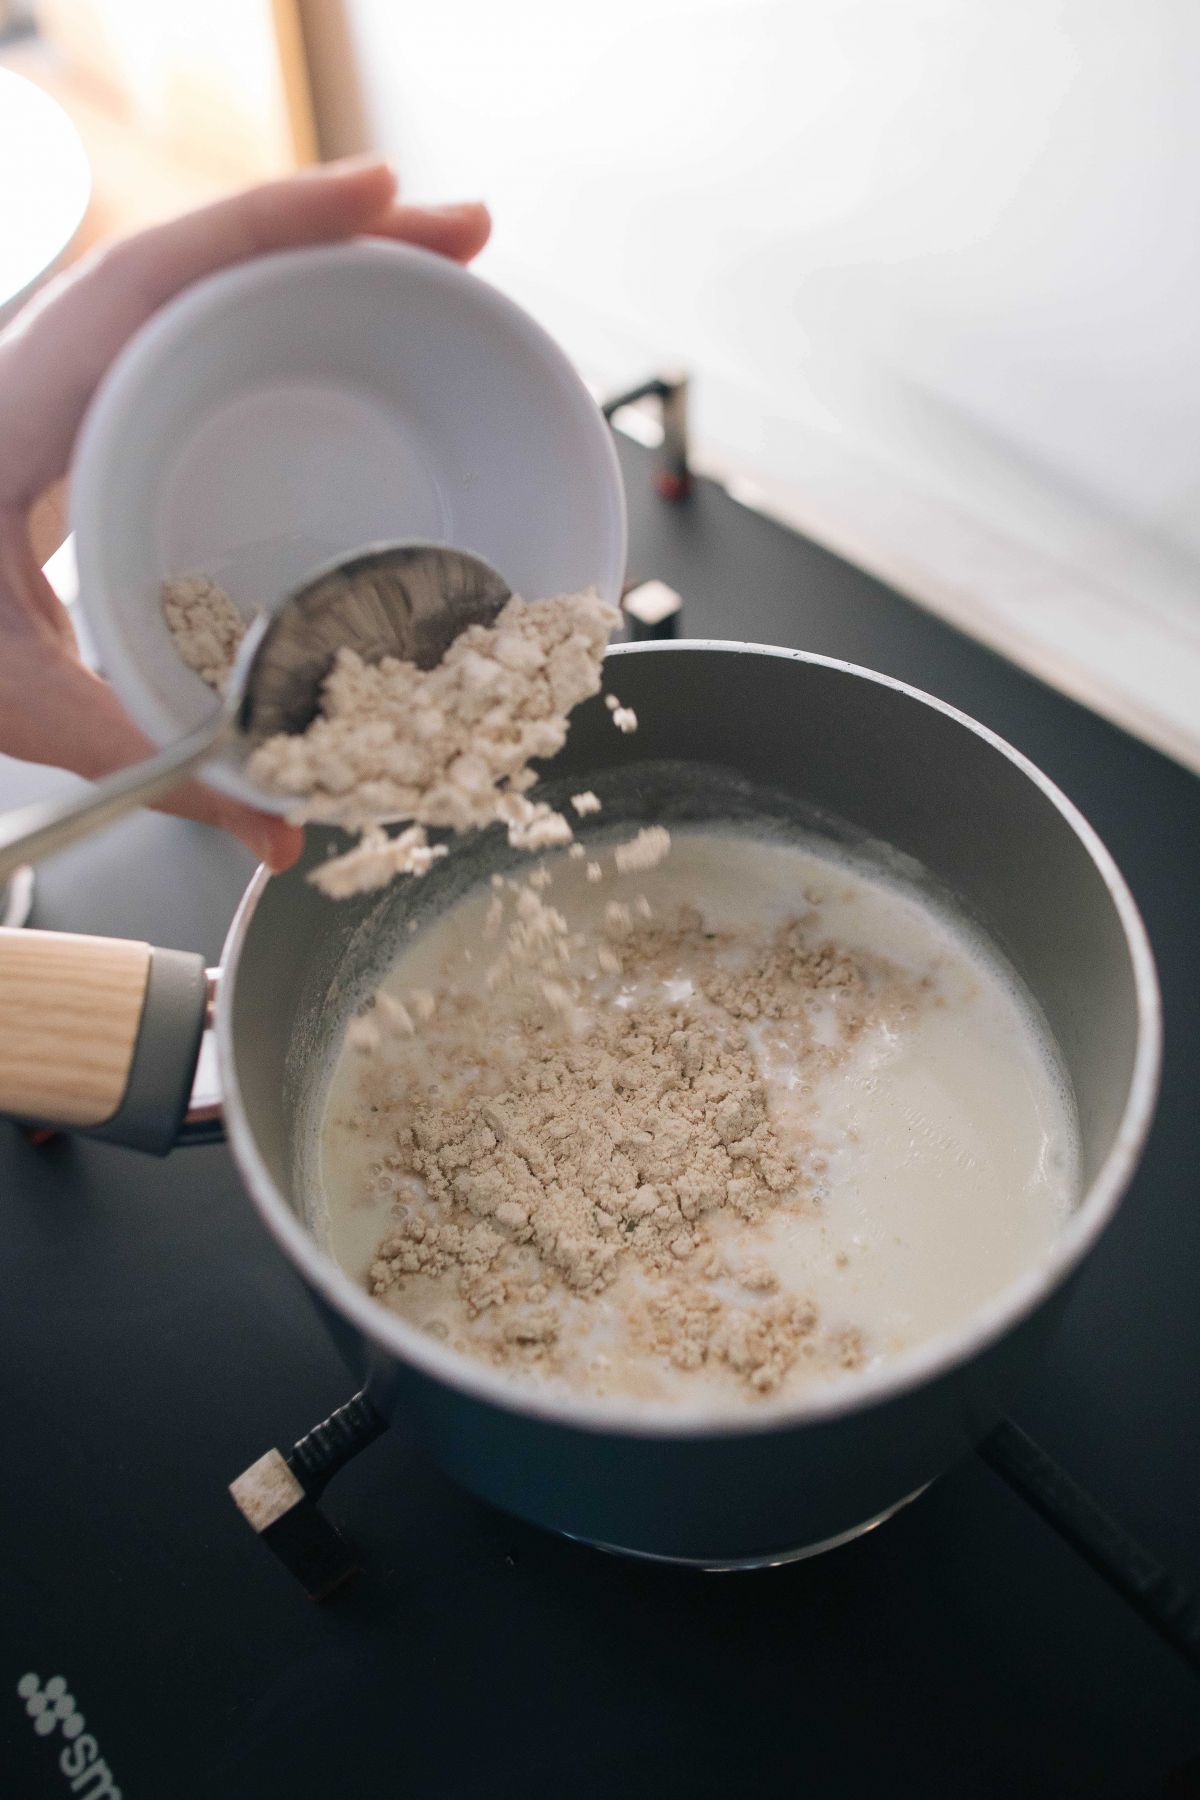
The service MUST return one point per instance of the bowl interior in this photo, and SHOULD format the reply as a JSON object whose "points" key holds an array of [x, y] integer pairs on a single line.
{"points": [[298, 407]]}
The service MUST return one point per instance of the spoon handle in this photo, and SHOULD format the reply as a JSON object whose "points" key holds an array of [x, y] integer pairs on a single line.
{"points": [[50, 825]]}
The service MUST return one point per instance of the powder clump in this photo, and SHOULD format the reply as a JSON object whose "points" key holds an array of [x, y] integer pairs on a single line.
{"points": [[451, 746], [375, 860], [206, 626], [594, 1150], [645, 851]]}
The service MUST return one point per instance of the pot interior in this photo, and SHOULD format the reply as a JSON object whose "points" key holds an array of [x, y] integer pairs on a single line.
{"points": [[777, 742]]}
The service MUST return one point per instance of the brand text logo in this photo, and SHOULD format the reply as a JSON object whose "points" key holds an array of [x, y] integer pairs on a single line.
{"points": [[53, 1712]]}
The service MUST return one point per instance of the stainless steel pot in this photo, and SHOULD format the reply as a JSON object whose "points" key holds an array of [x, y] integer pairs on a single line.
{"points": [[723, 727]]}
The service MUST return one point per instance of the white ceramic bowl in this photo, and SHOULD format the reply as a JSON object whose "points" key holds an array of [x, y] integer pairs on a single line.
{"points": [[300, 406]]}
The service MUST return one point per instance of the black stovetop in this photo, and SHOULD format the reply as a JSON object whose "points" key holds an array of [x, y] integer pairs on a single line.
{"points": [[154, 1343]]}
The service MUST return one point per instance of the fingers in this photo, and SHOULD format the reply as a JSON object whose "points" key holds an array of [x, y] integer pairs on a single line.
{"points": [[31, 613], [55, 711], [55, 353], [319, 205], [52, 709], [272, 840], [459, 231], [58, 348]]}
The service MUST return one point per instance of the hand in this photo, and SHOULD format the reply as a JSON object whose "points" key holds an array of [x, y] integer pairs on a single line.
{"points": [[53, 709]]}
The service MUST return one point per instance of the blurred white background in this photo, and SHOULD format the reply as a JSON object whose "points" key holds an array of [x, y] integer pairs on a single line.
{"points": [[933, 264]]}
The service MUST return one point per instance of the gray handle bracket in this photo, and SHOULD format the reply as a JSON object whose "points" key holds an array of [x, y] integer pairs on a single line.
{"points": [[159, 1088]]}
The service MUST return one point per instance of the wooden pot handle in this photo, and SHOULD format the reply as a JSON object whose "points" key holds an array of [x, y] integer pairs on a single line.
{"points": [[98, 1034]]}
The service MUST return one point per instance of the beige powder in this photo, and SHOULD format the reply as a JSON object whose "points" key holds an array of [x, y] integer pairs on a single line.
{"points": [[692, 1158], [599, 1150], [449, 746], [375, 860], [645, 851], [623, 717], [205, 624]]}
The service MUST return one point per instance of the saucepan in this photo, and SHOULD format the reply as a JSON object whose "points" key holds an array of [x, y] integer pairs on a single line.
{"points": [[104, 1037]]}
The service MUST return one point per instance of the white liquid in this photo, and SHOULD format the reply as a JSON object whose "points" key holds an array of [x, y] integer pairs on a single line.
{"points": [[950, 1138]]}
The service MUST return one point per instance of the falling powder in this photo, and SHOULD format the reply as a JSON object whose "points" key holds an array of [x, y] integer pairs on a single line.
{"points": [[449, 746]]}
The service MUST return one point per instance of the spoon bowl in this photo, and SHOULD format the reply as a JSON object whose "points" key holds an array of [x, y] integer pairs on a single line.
{"points": [[408, 601]]}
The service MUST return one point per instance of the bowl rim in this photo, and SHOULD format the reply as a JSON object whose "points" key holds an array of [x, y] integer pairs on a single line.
{"points": [[909, 1369], [102, 447]]}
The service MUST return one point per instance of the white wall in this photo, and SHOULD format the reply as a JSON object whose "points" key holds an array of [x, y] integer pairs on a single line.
{"points": [[956, 240]]}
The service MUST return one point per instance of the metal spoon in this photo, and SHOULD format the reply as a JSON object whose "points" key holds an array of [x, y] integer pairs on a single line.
{"points": [[409, 601]]}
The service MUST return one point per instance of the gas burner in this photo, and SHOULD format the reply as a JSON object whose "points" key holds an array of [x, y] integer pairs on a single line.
{"points": [[277, 1496]]}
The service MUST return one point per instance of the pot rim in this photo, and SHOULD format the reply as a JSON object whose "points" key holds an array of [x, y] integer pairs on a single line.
{"points": [[853, 1393]]}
